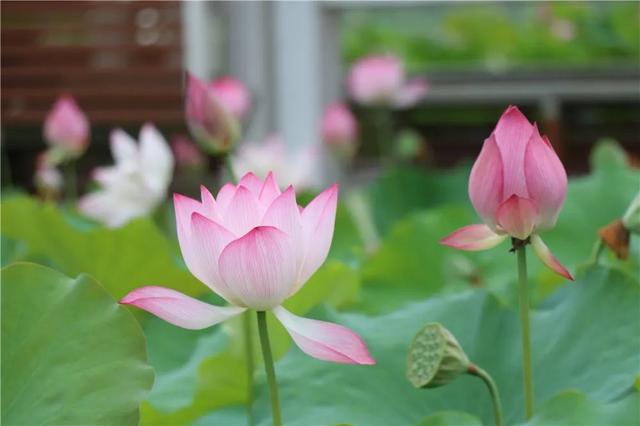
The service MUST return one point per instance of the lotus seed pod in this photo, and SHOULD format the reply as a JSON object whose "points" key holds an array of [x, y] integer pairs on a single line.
{"points": [[631, 218], [435, 357]]}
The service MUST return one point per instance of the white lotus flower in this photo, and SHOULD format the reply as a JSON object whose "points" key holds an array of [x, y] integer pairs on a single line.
{"points": [[136, 183], [298, 168]]}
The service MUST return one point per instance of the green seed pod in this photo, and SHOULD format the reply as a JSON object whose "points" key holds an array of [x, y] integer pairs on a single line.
{"points": [[435, 357]]}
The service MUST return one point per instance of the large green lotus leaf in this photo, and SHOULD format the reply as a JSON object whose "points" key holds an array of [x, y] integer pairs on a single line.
{"points": [[201, 371], [11, 250], [70, 354], [591, 319], [573, 408], [450, 418], [400, 190], [211, 378], [121, 259]]}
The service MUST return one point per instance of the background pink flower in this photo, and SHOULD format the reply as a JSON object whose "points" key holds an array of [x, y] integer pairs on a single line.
{"points": [[66, 127]]}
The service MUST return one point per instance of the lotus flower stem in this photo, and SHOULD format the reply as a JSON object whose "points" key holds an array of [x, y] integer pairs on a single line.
{"points": [[523, 289], [248, 348], [597, 252], [268, 367], [493, 390], [70, 181], [229, 167]]}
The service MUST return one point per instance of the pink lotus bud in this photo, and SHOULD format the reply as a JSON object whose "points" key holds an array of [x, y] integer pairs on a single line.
{"points": [[381, 80], [376, 79], [66, 128], [233, 95], [340, 130], [518, 183], [210, 123], [411, 93], [517, 186], [254, 246], [186, 153]]}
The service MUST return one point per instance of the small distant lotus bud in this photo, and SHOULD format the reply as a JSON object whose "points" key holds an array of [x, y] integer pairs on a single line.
{"points": [[380, 80], [340, 130], [187, 154], [66, 130], [233, 95], [375, 80], [631, 218], [435, 358], [209, 121]]}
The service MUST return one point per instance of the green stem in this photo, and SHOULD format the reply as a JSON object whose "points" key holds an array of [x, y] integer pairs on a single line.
{"points": [[598, 251], [268, 367], [248, 348], [229, 167], [524, 324], [70, 181], [493, 390], [383, 122]]}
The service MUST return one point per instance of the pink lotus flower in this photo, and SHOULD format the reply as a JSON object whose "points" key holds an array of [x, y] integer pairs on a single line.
{"points": [[66, 129], [340, 130], [255, 247], [381, 80], [517, 186], [186, 153], [211, 123], [233, 95]]}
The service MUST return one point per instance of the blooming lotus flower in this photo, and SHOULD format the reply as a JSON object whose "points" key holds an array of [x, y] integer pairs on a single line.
{"points": [[340, 130], [255, 247], [381, 80], [210, 122], [517, 186], [66, 129], [298, 168], [187, 154], [233, 95], [136, 184]]}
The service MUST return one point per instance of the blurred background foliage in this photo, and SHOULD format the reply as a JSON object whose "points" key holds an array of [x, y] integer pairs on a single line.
{"points": [[499, 36]]}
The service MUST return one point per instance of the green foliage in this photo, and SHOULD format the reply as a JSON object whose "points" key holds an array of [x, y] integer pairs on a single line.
{"points": [[410, 279], [70, 354], [121, 259], [591, 316], [538, 34], [405, 189]]}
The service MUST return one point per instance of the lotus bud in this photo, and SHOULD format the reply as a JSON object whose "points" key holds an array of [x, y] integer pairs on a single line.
{"points": [[187, 154], [340, 130], [66, 130], [435, 358], [210, 123], [233, 95], [517, 186], [375, 80], [380, 80]]}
